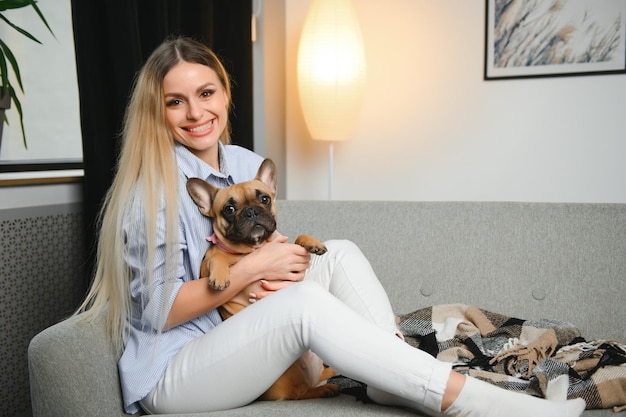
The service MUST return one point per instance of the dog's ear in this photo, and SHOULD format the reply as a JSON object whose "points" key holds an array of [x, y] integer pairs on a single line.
{"points": [[268, 174], [202, 193]]}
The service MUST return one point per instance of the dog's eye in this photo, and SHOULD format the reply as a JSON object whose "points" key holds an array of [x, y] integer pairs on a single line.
{"points": [[229, 209], [266, 200]]}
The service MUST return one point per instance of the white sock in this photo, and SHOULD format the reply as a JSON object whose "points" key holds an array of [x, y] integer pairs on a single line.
{"points": [[481, 399], [384, 398]]}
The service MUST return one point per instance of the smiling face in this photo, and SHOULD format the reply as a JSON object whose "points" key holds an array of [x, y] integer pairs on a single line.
{"points": [[196, 109]]}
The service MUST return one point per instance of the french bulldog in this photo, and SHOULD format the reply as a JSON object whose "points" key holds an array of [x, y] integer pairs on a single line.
{"points": [[244, 218]]}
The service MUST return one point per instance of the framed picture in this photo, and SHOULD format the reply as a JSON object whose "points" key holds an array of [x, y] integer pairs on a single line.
{"points": [[543, 38]]}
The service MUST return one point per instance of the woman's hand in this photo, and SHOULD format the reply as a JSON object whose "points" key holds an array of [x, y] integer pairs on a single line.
{"points": [[263, 288], [275, 261], [280, 265]]}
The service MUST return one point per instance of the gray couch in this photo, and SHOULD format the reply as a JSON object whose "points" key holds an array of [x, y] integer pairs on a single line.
{"points": [[529, 260]]}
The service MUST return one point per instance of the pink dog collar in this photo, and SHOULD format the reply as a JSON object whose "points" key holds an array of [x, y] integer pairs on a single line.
{"points": [[214, 240]]}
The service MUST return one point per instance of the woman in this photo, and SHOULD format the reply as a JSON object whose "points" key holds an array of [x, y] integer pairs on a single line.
{"points": [[178, 355]]}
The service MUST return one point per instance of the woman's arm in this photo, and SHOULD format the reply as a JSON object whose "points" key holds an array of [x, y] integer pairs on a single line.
{"points": [[277, 262]]}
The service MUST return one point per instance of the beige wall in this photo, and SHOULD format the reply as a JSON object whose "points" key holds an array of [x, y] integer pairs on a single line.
{"points": [[432, 129]]}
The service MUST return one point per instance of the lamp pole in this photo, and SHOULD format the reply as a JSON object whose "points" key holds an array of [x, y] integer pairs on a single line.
{"points": [[330, 170]]}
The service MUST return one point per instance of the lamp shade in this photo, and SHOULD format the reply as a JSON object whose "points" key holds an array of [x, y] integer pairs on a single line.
{"points": [[331, 69]]}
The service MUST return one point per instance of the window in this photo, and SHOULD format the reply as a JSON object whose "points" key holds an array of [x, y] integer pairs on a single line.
{"points": [[50, 101]]}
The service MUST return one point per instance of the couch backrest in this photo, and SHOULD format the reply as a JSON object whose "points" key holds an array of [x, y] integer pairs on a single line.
{"points": [[529, 260]]}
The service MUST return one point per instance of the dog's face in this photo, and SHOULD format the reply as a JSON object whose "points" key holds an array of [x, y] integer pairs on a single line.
{"points": [[243, 214]]}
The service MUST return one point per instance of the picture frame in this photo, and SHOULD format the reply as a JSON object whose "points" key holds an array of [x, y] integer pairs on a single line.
{"points": [[539, 38]]}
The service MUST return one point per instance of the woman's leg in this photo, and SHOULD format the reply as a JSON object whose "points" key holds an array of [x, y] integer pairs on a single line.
{"points": [[234, 363], [237, 361], [347, 274]]}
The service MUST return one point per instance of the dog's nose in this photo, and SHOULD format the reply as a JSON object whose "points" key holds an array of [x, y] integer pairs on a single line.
{"points": [[251, 212]]}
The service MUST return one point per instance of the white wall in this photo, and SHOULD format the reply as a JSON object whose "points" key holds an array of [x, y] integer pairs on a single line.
{"points": [[432, 129]]}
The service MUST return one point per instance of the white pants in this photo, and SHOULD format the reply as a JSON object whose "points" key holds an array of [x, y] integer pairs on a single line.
{"points": [[340, 311]]}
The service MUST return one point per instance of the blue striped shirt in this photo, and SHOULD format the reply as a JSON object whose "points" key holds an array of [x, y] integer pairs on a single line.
{"points": [[147, 353]]}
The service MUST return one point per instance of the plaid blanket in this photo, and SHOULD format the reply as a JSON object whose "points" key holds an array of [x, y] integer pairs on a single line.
{"points": [[543, 358]]}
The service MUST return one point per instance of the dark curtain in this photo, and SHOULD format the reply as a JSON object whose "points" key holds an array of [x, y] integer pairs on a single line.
{"points": [[112, 40]]}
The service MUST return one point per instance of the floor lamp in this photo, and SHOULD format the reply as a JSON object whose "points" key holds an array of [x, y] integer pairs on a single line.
{"points": [[331, 73]]}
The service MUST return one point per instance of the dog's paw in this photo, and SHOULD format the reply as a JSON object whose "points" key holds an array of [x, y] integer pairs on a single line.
{"points": [[327, 390], [317, 250], [311, 244], [218, 285], [323, 391], [331, 390]]}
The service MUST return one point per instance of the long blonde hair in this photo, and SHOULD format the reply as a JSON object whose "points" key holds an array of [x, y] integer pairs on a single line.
{"points": [[146, 170]]}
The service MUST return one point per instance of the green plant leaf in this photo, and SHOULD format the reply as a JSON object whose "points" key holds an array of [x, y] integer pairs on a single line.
{"points": [[19, 29], [18, 107], [3, 71], [18, 4], [16, 69], [14, 4], [43, 19]]}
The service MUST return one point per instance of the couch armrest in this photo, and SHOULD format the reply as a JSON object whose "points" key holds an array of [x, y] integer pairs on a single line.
{"points": [[73, 371]]}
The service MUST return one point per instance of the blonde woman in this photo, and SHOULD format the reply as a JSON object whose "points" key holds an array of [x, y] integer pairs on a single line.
{"points": [[178, 356]]}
